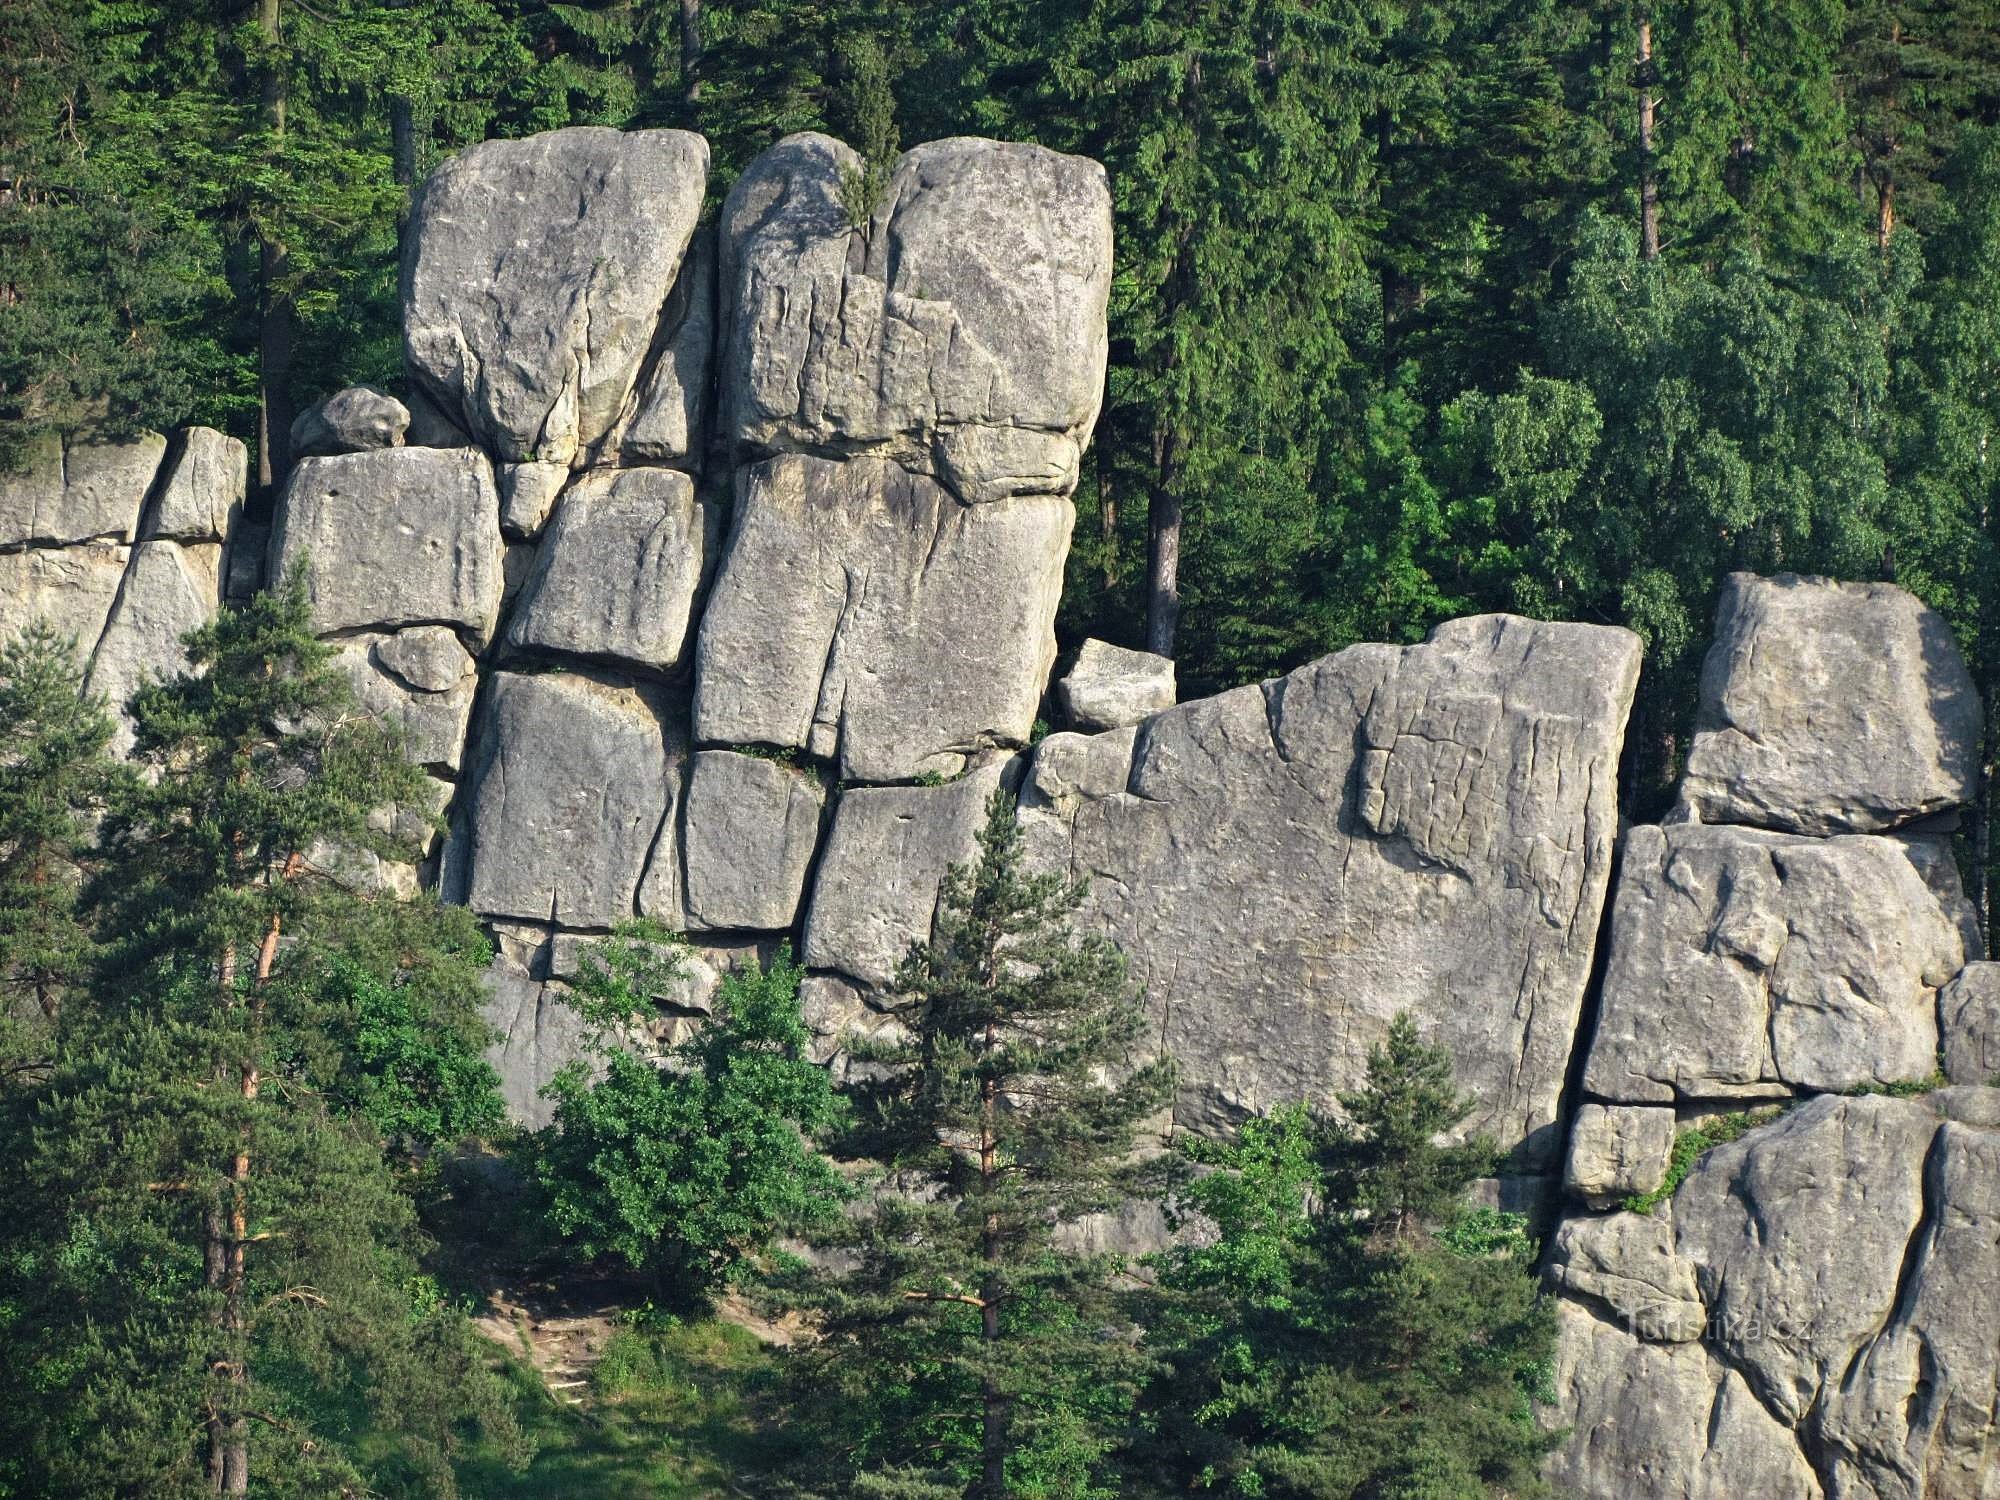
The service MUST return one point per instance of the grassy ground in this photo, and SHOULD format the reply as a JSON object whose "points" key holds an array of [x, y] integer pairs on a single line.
{"points": [[676, 1410]]}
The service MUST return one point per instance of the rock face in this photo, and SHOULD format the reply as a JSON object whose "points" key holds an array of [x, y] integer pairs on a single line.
{"points": [[1111, 687], [751, 826], [1617, 1151], [1969, 1018], [1747, 964], [862, 614], [620, 571], [421, 680], [1806, 1303], [350, 421], [536, 280], [78, 489], [570, 801], [960, 331], [403, 536], [1830, 708], [204, 491], [73, 588], [168, 589], [1425, 828]]}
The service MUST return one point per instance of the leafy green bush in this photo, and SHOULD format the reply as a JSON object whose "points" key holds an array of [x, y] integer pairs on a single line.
{"points": [[1691, 1145]]}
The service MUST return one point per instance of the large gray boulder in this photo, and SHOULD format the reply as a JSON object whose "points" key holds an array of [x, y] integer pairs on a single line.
{"points": [[1111, 687], [536, 277], [422, 681], [749, 830], [620, 571], [1969, 1025], [1830, 708], [78, 489], [1425, 829], [355, 420], [1616, 1151], [528, 495], [876, 891], [73, 588], [207, 481], [570, 800], [862, 613], [168, 590], [1747, 964], [1812, 1315], [960, 330], [400, 536]]}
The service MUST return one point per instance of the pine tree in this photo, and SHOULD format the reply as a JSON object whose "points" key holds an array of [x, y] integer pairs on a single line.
{"points": [[1355, 1330], [213, 1257], [967, 1352]]}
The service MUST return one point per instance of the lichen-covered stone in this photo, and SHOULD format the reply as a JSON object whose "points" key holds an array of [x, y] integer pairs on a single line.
{"points": [[861, 613], [204, 490], [620, 571], [78, 489], [876, 891], [570, 798], [1747, 964], [536, 277], [355, 420], [749, 830], [1830, 708], [1616, 1151], [399, 536], [420, 680], [1111, 687], [168, 590], [1424, 829], [960, 331]]}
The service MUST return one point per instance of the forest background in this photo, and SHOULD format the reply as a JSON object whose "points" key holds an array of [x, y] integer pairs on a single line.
{"points": [[1422, 307]]}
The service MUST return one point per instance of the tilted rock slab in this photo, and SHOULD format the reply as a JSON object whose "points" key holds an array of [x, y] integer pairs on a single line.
{"points": [[1747, 964], [570, 800], [960, 331], [1812, 1315], [1830, 708], [399, 536], [1425, 829], [207, 481], [621, 570], [168, 590], [863, 614], [536, 279], [78, 489]]}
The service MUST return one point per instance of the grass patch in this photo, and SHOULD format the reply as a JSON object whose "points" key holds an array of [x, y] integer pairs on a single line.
{"points": [[1902, 1088], [1691, 1145], [679, 1410]]}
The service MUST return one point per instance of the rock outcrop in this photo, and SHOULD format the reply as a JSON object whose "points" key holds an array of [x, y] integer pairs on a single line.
{"points": [[1111, 687], [350, 421]]}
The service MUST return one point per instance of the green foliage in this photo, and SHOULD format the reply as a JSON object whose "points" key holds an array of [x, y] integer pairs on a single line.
{"points": [[967, 1350], [687, 1168], [1355, 1329], [1691, 1145], [870, 125]]}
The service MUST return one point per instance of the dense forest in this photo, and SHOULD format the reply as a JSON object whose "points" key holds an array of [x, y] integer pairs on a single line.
{"points": [[1419, 310]]}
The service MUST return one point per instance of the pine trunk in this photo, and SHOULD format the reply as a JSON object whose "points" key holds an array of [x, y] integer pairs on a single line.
{"points": [[690, 52], [993, 1426], [1163, 563], [1107, 522], [274, 333], [1649, 186]]}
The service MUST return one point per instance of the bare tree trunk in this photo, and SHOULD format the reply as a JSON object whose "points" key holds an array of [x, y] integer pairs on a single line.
{"points": [[274, 333], [994, 1412], [1649, 186], [1163, 563], [1107, 520], [690, 52]]}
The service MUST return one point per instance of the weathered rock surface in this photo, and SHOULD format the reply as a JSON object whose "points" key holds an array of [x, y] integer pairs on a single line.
{"points": [[78, 489], [575, 780], [1747, 964], [204, 490], [420, 680], [961, 331], [668, 422], [168, 590], [1969, 1025], [749, 831], [536, 279], [527, 495], [1617, 1150], [1830, 708], [355, 420], [72, 588], [1111, 687], [1424, 828], [1812, 1316], [876, 891], [861, 613], [401, 536], [620, 571], [539, 1035]]}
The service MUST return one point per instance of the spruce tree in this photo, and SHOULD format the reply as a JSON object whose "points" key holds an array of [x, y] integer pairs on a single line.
{"points": [[1355, 1329], [966, 1351], [210, 1255]]}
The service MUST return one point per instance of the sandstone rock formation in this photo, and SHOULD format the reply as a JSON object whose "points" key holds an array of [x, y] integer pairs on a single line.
{"points": [[1111, 687], [350, 421], [81, 489], [1830, 708], [168, 589]]}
